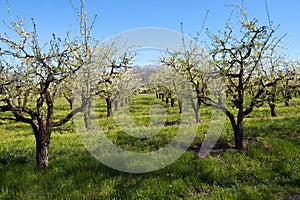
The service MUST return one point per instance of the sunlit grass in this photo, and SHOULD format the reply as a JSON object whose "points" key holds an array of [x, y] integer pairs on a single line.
{"points": [[268, 168]]}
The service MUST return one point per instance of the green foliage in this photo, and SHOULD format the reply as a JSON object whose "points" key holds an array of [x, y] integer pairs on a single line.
{"points": [[267, 169]]}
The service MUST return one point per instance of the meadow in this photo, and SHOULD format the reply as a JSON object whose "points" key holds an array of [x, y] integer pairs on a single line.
{"points": [[268, 167]]}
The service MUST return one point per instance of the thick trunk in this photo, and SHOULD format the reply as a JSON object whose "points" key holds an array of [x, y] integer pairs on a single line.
{"points": [[167, 100], [42, 145], [238, 137], [157, 95], [108, 107], [42, 153], [272, 109], [237, 130]]}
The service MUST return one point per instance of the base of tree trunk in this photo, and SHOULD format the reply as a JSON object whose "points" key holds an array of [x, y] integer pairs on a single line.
{"points": [[108, 107], [272, 109], [172, 102], [238, 141], [42, 155], [180, 106]]}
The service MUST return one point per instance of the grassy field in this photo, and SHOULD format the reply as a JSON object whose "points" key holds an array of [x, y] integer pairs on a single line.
{"points": [[268, 168]]}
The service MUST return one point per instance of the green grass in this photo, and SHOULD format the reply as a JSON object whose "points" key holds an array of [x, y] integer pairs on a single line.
{"points": [[268, 168]]}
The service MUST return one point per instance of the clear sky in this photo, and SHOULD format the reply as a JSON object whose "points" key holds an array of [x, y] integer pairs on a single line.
{"points": [[115, 16]]}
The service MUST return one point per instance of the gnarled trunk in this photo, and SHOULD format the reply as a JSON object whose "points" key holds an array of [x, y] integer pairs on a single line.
{"points": [[42, 138], [42, 153]]}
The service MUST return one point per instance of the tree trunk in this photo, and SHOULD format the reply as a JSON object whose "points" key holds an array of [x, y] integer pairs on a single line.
{"points": [[196, 110], [127, 100], [41, 153], [287, 102], [237, 130], [87, 116], [162, 97], [167, 100], [180, 106], [42, 145], [116, 105], [108, 107], [157, 95], [172, 102], [238, 137], [272, 109]]}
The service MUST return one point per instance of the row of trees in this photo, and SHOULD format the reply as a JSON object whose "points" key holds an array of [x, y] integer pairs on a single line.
{"points": [[33, 76], [80, 69], [251, 64]]}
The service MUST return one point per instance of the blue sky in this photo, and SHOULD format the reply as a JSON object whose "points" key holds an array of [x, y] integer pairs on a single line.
{"points": [[115, 16]]}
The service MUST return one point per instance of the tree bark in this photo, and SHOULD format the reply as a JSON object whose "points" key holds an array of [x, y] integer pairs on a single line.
{"points": [[272, 109], [87, 116], [42, 145], [162, 97], [172, 102], [287, 102], [180, 106], [121, 102], [238, 137], [108, 107], [196, 110], [237, 130], [70, 101], [116, 103]]}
